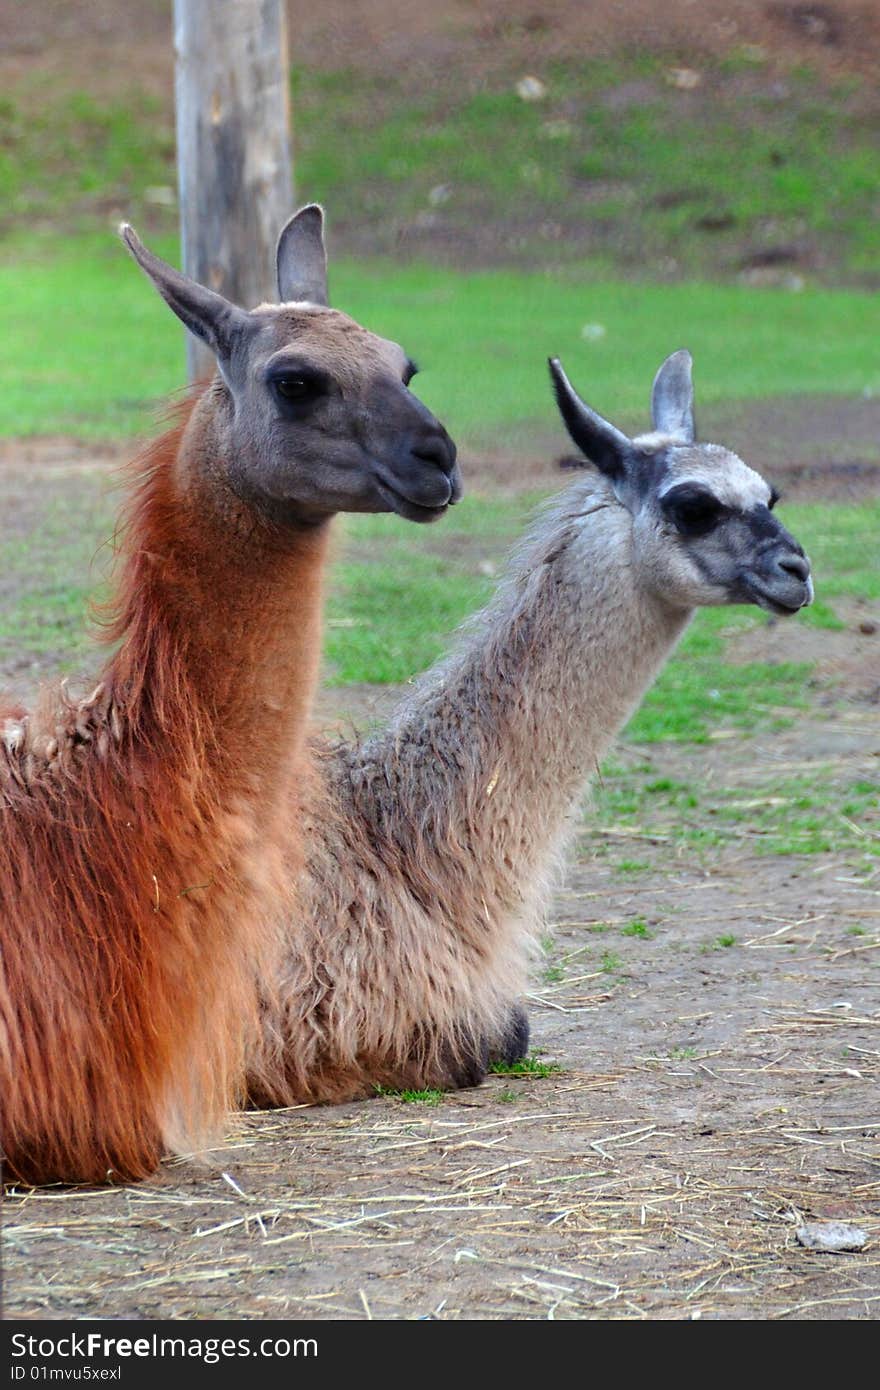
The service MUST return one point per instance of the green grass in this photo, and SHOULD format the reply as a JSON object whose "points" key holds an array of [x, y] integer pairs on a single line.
{"points": [[388, 620], [678, 181], [89, 348], [79, 158], [632, 866], [526, 1066], [798, 813], [637, 928], [56, 564], [644, 176], [611, 963], [698, 691], [553, 974], [424, 1097], [842, 544]]}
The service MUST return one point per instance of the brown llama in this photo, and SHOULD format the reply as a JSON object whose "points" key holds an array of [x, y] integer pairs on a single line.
{"points": [[143, 829], [431, 849]]}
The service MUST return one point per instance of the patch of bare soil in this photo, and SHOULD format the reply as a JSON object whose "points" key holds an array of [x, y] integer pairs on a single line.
{"points": [[812, 447], [104, 42], [47, 454], [845, 660]]}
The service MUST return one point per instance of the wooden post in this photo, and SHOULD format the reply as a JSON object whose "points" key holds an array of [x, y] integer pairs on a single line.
{"points": [[233, 148]]}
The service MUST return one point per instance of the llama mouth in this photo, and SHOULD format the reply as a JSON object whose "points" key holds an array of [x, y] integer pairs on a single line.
{"points": [[405, 507], [781, 608]]}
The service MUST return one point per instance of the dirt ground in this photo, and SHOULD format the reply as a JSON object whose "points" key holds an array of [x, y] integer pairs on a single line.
{"points": [[717, 1082], [404, 37]]}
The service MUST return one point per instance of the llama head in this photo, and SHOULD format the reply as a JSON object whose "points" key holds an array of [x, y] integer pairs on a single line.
{"points": [[703, 527], [313, 413]]}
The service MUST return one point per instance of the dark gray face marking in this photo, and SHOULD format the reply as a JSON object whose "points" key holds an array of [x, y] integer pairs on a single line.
{"points": [[752, 556], [693, 509], [644, 475], [780, 568], [297, 386]]}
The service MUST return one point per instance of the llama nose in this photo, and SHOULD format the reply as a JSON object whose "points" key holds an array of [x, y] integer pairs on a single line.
{"points": [[435, 446], [795, 564]]}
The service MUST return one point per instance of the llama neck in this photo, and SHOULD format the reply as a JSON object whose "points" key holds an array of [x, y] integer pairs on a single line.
{"points": [[496, 744], [219, 615]]}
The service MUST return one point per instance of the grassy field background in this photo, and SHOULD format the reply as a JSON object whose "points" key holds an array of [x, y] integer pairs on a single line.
{"points": [[90, 349], [93, 350], [632, 202], [636, 162]]}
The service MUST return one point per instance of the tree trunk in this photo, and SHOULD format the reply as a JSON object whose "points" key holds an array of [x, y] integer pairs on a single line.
{"points": [[233, 148]]}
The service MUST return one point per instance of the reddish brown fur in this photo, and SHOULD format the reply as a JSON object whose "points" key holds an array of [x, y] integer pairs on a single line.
{"points": [[140, 836]]}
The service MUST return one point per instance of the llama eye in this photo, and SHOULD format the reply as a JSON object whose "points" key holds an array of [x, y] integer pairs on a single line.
{"points": [[295, 388], [694, 513]]}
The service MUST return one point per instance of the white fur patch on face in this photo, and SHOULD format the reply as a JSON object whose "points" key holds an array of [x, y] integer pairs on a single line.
{"points": [[302, 306], [655, 441], [722, 472]]}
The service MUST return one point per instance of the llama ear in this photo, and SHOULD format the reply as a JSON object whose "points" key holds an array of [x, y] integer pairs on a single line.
{"points": [[302, 259], [672, 398], [206, 314], [603, 444]]}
